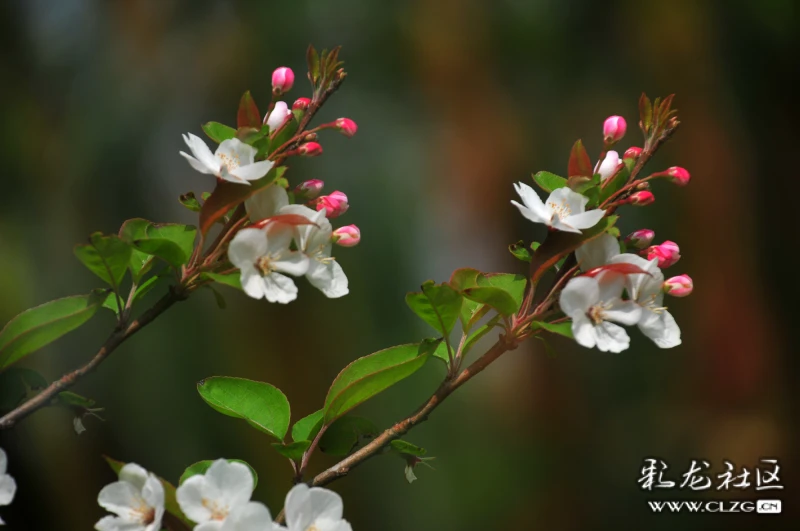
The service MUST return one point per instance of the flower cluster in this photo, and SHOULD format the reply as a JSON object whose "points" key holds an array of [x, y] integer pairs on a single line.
{"points": [[218, 500], [8, 487]]}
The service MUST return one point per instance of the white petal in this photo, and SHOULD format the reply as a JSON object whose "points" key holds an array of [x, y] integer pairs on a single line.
{"points": [[279, 238], [201, 152], [636, 283], [237, 151], [307, 235], [530, 214], [114, 523], [279, 288], [624, 312], [153, 492], [597, 252], [278, 116], [610, 284], [251, 172], [573, 201], [211, 525], [120, 498], [609, 164], [563, 226], [583, 330], [252, 282], [234, 481], [252, 516], [226, 175], [247, 246], [611, 337], [197, 165], [304, 506], [661, 328], [292, 262], [190, 498], [532, 200], [3, 462], [267, 202], [580, 294], [585, 220], [134, 474], [8, 487], [329, 278]]}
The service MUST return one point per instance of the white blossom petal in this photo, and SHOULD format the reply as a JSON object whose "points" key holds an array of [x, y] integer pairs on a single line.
{"points": [[254, 171], [623, 312], [252, 516], [661, 328], [583, 330], [292, 262], [201, 152], [329, 278], [597, 252], [585, 220], [134, 474], [252, 282], [8, 487], [267, 202], [279, 288], [191, 498], [234, 153], [306, 506], [120, 498], [563, 226], [197, 165], [534, 208], [611, 337], [579, 295], [572, 202], [234, 480], [247, 246]]}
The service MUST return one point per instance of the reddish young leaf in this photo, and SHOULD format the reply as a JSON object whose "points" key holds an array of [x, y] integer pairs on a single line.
{"points": [[579, 162], [248, 115], [622, 269]]}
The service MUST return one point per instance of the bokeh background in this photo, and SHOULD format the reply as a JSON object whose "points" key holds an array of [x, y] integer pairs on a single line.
{"points": [[455, 100]]}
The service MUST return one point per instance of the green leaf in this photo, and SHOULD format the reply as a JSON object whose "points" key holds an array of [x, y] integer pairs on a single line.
{"points": [[500, 300], [460, 280], [190, 201], [405, 447], [645, 113], [218, 297], [218, 132], [283, 135], [549, 181], [248, 115], [262, 405], [231, 279], [562, 329], [200, 467], [228, 195], [439, 306], [511, 283], [368, 376], [105, 256], [145, 287], [307, 427], [40, 326], [68, 398], [293, 451], [579, 161], [170, 502], [345, 434], [479, 333], [312, 58], [171, 242], [519, 251], [132, 230]]}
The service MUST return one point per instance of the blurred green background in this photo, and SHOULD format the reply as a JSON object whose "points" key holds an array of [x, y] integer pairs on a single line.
{"points": [[455, 100]]}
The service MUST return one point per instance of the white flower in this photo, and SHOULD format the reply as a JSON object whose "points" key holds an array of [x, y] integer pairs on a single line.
{"points": [[266, 203], [233, 160], [137, 499], [656, 322], [8, 487], [597, 252], [278, 116], [210, 498], [591, 302], [608, 167], [262, 255], [314, 509], [563, 210], [252, 516], [314, 239]]}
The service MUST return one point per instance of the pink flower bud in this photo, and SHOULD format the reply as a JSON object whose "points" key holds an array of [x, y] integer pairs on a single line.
{"points": [[668, 253], [347, 236], [346, 126], [632, 153], [679, 286], [614, 129], [640, 239], [301, 104], [309, 149], [282, 79], [642, 198], [280, 113], [334, 204], [679, 175], [609, 166], [309, 189]]}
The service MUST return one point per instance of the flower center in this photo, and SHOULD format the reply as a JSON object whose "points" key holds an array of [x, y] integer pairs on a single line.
{"points": [[650, 304], [597, 313], [229, 161], [312, 527], [319, 255], [265, 265], [217, 512], [562, 210], [144, 513]]}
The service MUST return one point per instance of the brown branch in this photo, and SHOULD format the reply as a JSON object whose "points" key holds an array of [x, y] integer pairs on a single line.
{"points": [[68, 380]]}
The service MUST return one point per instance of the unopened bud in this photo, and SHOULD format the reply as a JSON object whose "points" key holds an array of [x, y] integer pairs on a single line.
{"points": [[667, 253], [642, 198], [309, 149], [609, 166], [310, 137], [632, 153], [301, 104], [309, 189], [347, 236], [614, 129], [679, 286], [282, 80], [280, 113], [334, 204], [640, 239], [346, 126], [679, 175]]}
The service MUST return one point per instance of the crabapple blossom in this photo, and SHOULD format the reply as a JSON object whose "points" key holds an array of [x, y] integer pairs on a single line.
{"points": [[335, 204], [282, 79], [315, 509], [614, 129], [346, 126], [592, 303], [232, 161], [347, 236], [642, 198], [262, 255], [137, 499], [309, 189], [632, 153], [640, 239], [223, 491], [314, 239], [646, 289], [564, 209], [280, 113], [8, 487], [266, 203], [608, 167], [679, 286], [310, 149], [667, 253]]}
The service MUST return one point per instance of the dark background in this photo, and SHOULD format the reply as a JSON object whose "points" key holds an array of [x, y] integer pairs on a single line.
{"points": [[454, 102]]}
